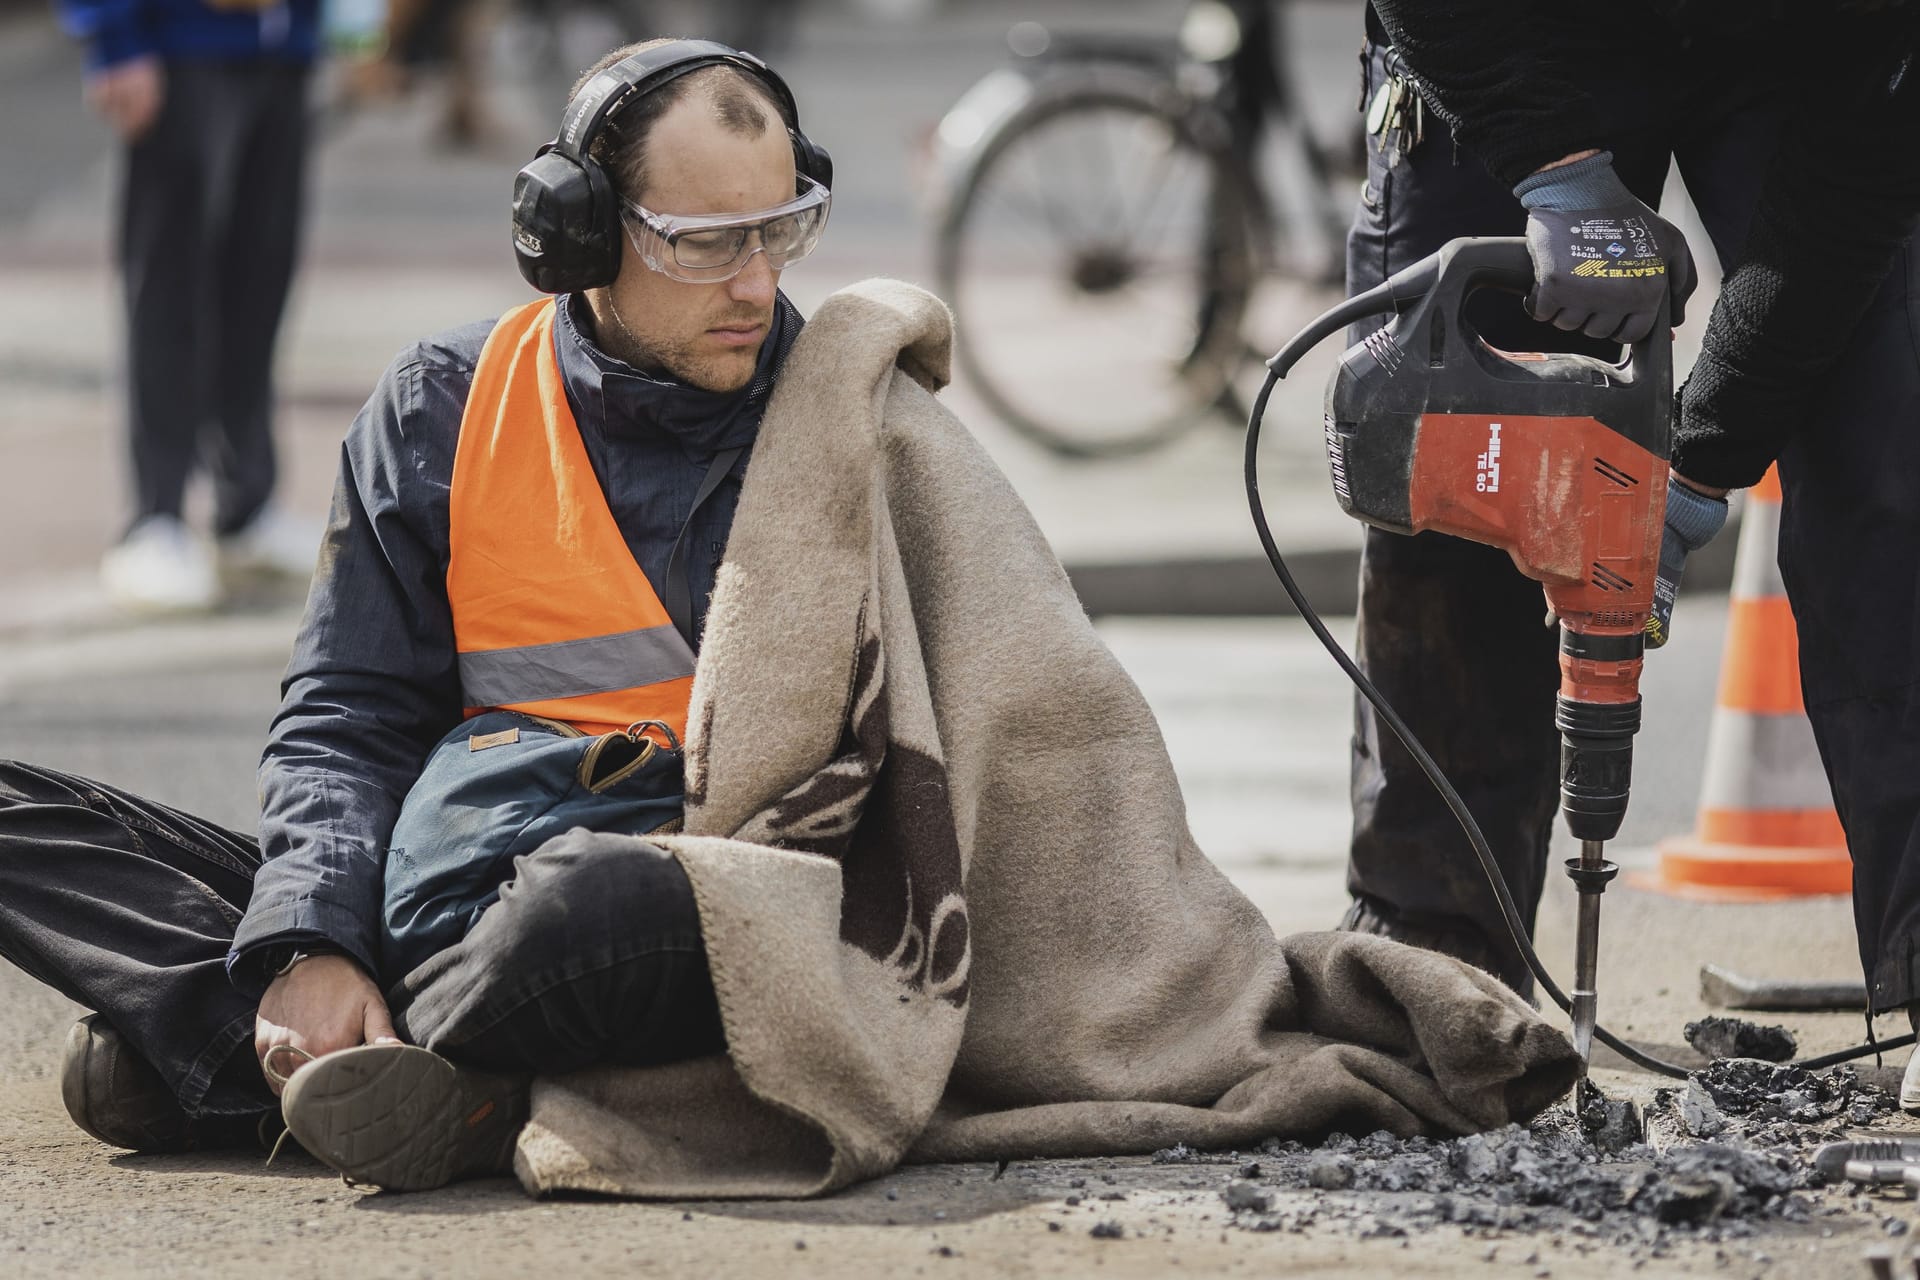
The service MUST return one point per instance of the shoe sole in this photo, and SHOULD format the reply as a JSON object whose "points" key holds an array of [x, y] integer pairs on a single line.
{"points": [[403, 1119]]}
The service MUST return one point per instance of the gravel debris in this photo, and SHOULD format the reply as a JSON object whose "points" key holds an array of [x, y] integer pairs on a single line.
{"points": [[1738, 1038], [1709, 1160], [1330, 1172], [1768, 1091], [1241, 1194]]}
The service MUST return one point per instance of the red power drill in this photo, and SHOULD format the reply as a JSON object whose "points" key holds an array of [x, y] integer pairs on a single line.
{"points": [[1561, 460]]}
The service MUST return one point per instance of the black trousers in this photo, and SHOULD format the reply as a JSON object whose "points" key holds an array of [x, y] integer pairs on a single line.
{"points": [[592, 954], [1452, 633], [210, 221]]}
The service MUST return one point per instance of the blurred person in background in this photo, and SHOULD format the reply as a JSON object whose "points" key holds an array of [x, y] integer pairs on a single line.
{"points": [[443, 38], [209, 98]]}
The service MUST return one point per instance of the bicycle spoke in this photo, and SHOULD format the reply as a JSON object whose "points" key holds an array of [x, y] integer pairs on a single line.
{"points": [[1113, 208], [1031, 217], [1194, 176], [1057, 215], [1087, 262], [1156, 188]]}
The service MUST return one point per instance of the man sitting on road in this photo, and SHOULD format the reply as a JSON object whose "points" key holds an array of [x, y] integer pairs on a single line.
{"points": [[934, 872]]}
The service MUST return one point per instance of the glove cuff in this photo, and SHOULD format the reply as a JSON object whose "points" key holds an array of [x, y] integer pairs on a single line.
{"points": [[1584, 184], [1692, 516]]}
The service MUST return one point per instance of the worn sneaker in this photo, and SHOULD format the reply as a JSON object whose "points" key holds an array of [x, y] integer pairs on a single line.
{"points": [[116, 1096], [403, 1118], [272, 543], [160, 567]]}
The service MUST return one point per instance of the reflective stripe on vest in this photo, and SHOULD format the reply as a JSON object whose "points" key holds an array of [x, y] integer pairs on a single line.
{"points": [[551, 614]]}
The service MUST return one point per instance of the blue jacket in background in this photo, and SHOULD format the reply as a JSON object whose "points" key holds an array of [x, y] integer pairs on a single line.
{"points": [[119, 30]]}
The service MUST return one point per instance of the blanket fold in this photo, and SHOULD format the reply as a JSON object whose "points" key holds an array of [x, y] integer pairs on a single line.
{"points": [[949, 897]]}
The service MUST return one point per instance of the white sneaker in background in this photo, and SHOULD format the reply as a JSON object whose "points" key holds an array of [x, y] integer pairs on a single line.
{"points": [[1910, 1085], [273, 542], [160, 567]]}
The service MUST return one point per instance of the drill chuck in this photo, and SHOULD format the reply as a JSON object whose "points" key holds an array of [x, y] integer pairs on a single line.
{"points": [[1596, 764], [1597, 724]]}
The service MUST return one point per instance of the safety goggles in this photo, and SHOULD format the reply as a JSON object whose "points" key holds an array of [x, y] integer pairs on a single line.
{"points": [[707, 248]]}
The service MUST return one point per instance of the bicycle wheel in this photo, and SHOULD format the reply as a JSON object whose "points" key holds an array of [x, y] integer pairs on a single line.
{"points": [[1098, 259]]}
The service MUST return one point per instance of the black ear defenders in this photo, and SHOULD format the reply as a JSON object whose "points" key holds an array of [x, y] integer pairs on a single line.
{"points": [[566, 215]]}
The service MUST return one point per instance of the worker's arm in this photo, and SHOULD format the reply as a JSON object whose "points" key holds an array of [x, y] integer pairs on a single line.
{"points": [[1838, 204], [1695, 516], [371, 687], [1510, 78]]}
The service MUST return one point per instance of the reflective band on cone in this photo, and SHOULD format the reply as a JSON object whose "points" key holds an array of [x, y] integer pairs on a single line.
{"points": [[1767, 826]]}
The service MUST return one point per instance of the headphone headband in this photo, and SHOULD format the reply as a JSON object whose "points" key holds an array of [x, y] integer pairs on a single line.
{"points": [[566, 211], [641, 73]]}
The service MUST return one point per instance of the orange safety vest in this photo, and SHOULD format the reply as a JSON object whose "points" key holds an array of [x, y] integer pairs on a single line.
{"points": [[551, 614]]}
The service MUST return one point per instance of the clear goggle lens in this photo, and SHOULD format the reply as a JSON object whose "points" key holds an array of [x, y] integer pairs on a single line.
{"points": [[703, 249]]}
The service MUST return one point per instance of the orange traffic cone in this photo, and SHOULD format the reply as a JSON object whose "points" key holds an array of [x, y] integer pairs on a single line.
{"points": [[1767, 827]]}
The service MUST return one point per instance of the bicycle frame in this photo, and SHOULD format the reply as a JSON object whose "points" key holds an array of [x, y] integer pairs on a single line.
{"points": [[1217, 90]]}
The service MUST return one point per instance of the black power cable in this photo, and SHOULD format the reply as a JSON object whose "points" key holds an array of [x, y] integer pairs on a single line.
{"points": [[1372, 303]]}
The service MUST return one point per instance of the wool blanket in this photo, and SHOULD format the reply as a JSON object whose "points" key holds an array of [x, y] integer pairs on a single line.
{"points": [[950, 902]]}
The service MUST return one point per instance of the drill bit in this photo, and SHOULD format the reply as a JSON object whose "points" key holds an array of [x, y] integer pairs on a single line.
{"points": [[1586, 954]]}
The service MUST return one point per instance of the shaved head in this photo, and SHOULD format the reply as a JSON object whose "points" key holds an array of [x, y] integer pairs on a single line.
{"points": [[739, 101]]}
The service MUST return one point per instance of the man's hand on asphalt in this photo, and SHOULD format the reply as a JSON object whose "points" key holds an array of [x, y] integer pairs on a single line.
{"points": [[322, 1004], [1602, 260], [1694, 515], [129, 95]]}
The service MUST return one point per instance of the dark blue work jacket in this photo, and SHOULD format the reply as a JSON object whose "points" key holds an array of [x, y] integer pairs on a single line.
{"points": [[374, 683]]}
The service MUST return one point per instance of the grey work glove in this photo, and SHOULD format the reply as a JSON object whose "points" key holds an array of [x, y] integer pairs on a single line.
{"points": [[1693, 518], [1601, 260]]}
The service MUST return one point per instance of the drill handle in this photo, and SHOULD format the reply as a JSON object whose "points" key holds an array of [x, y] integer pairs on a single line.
{"points": [[1504, 263], [1481, 262], [1395, 294]]}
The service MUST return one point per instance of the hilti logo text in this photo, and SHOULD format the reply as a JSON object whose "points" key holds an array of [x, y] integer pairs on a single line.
{"points": [[1487, 478]]}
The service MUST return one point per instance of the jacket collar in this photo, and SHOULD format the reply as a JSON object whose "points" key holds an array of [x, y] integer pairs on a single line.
{"points": [[618, 400]]}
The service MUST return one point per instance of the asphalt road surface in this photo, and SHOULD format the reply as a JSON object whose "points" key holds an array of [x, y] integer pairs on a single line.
{"points": [[406, 240], [1256, 723]]}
